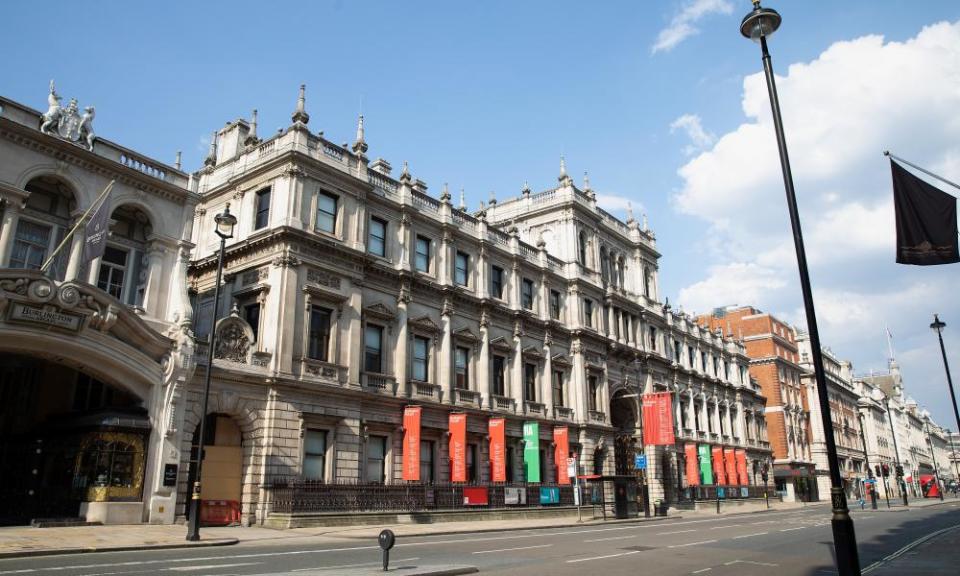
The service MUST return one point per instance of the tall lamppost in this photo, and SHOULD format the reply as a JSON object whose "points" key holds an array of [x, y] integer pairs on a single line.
{"points": [[896, 450], [866, 460], [933, 455], [225, 222], [757, 26], [938, 327]]}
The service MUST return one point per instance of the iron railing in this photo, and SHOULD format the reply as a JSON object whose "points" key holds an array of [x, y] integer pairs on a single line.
{"points": [[701, 493]]}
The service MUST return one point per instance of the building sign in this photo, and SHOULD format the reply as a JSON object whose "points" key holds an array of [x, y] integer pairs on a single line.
{"points": [[731, 463], [169, 475], [531, 451], [411, 443], [658, 419], [47, 317], [718, 467], [706, 471], [640, 461], [498, 459], [458, 447], [742, 467], [561, 440], [693, 471]]}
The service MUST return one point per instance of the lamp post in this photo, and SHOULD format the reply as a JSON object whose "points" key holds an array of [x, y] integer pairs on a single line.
{"points": [[933, 456], [896, 450], [938, 326], [866, 460], [757, 25], [225, 222]]}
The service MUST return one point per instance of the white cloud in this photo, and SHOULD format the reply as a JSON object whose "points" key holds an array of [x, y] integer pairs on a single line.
{"points": [[682, 26], [692, 126], [841, 110], [615, 202]]}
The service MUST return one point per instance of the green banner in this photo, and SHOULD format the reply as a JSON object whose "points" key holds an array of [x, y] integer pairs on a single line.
{"points": [[531, 451], [706, 468]]}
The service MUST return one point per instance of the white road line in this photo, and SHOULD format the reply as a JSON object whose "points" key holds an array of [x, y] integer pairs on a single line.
{"points": [[792, 529], [351, 565], [701, 570], [210, 566], [602, 557], [613, 538], [750, 535], [512, 549], [676, 532], [727, 526], [749, 562], [692, 544]]}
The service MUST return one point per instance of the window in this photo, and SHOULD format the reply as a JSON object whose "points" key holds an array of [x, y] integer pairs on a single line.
{"points": [[373, 349], [263, 209], [421, 358], [530, 382], [716, 366], [462, 367], [703, 362], [327, 213], [676, 351], [30, 245], [319, 342], [499, 375], [426, 461], [472, 469], [251, 313], [315, 455], [583, 248], [377, 237], [588, 312], [592, 387], [526, 294], [509, 464], [653, 338], [421, 257], [376, 459], [113, 267], [461, 269], [496, 282], [555, 304], [647, 280], [690, 356], [558, 399]]}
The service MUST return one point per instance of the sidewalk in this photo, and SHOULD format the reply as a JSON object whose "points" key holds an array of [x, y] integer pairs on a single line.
{"points": [[897, 505], [932, 556], [26, 541]]}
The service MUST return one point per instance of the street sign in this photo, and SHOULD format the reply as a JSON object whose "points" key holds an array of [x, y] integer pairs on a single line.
{"points": [[571, 467], [870, 481], [640, 462]]}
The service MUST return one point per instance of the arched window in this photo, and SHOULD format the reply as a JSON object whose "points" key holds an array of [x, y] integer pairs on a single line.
{"points": [[43, 224], [123, 267], [647, 281], [583, 248], [620, 273], [604, 265]]}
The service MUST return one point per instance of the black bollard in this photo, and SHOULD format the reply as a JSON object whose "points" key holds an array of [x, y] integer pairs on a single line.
{"points": [[386, 540]]}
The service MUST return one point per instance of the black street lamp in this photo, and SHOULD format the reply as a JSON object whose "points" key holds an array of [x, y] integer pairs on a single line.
{"points": [[757, 26], [224, 229], [938, 327], [896, 451], [933, 456], [866, 460]]}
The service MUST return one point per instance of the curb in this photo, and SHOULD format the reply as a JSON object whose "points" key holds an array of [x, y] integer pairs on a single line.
{"points": [[91, 550]]}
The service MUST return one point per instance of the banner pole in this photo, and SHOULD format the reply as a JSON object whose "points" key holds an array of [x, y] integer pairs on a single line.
{"points": [[73, 230], [924, 170]]}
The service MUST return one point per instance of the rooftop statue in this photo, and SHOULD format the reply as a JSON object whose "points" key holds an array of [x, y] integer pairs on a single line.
{"points": [[67, 123]]}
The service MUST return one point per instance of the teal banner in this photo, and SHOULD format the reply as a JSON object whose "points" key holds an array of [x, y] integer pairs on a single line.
{"points": [[706, 468], [531, 451]]}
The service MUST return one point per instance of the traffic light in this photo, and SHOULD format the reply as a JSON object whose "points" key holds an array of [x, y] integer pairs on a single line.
{"points": [[877, 467], [886, 470], [899, 471], [869, 472]]}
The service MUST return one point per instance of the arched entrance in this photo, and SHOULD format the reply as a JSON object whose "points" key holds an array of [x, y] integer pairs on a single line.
{"points": [[222, 481], [623, 415], [66, 438]]}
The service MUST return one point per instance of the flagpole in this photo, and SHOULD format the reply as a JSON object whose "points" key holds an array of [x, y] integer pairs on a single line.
{"points": [[73, 230], [924, 170]]}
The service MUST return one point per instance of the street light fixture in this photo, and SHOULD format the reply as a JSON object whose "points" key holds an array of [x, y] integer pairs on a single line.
{"points": [[938, 326], [757, 26], [225, 223], [896, 450]]}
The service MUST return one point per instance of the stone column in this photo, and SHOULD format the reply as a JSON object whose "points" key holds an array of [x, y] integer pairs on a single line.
{"points": [[445, 259], [285, 271], [611, 321], [514, 291], [605, 395], [155, 277], [692, 413], [547, 379], [400, 356], [578, 382], [446, 379], [74, 263], [516, 370], [11, 216], [483, 271], [483, 362]]}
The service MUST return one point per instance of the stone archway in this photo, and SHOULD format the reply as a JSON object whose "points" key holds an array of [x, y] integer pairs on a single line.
{"points": [[623, 416]]}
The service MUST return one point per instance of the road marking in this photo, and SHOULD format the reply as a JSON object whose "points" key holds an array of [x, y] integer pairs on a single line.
{"points": [[701, 570], [749, 562], [792, 529], [766, 522], [602, 557], [727, 526], [750, 535], [676, 532], [612, 538], [907, 548], [512, 549], [208, 566], [352, 565], [692, 544]]}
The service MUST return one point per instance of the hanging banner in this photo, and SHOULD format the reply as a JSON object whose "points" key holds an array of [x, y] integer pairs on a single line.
{"points": [[718, 468], [531, 451], [498, 460], [706, 471], [561, 441], [658, 419], [693, 470], [457, 425], [731, 463], [411, 443], [742, 468]]}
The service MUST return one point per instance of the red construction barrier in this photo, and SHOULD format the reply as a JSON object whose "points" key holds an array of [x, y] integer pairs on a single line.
{"points": [[219, 512]]}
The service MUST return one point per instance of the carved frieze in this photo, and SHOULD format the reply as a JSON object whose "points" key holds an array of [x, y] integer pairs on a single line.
{"points": [[323, 278]]}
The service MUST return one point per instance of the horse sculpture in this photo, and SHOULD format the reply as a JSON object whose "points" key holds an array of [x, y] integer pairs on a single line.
{"points": [[51, 119]]}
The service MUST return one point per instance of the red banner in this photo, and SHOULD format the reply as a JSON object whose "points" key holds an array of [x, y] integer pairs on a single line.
{"points": [[561, 451], [719, 472], [458, 447], [693, 467], [498, 449], [742, 468], [411, 443], [658, 419], [731, 465]]}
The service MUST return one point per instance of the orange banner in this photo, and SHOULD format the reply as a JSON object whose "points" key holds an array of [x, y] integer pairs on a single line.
{"points": [[411, 443], [693, 467], [458, 447], [561, 438], [719, 472], [658, 419], [742, 468], [731, 465], [498, 449]]}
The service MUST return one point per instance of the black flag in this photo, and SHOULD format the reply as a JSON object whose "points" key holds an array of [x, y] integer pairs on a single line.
{"points": [[926, 221], [96, 231]]}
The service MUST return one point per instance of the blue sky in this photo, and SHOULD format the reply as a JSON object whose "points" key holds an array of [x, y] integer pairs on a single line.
{"points": [[488, 95]]}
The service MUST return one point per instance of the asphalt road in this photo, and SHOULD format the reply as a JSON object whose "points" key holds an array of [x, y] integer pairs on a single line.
{"points": [[782, 543]]}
